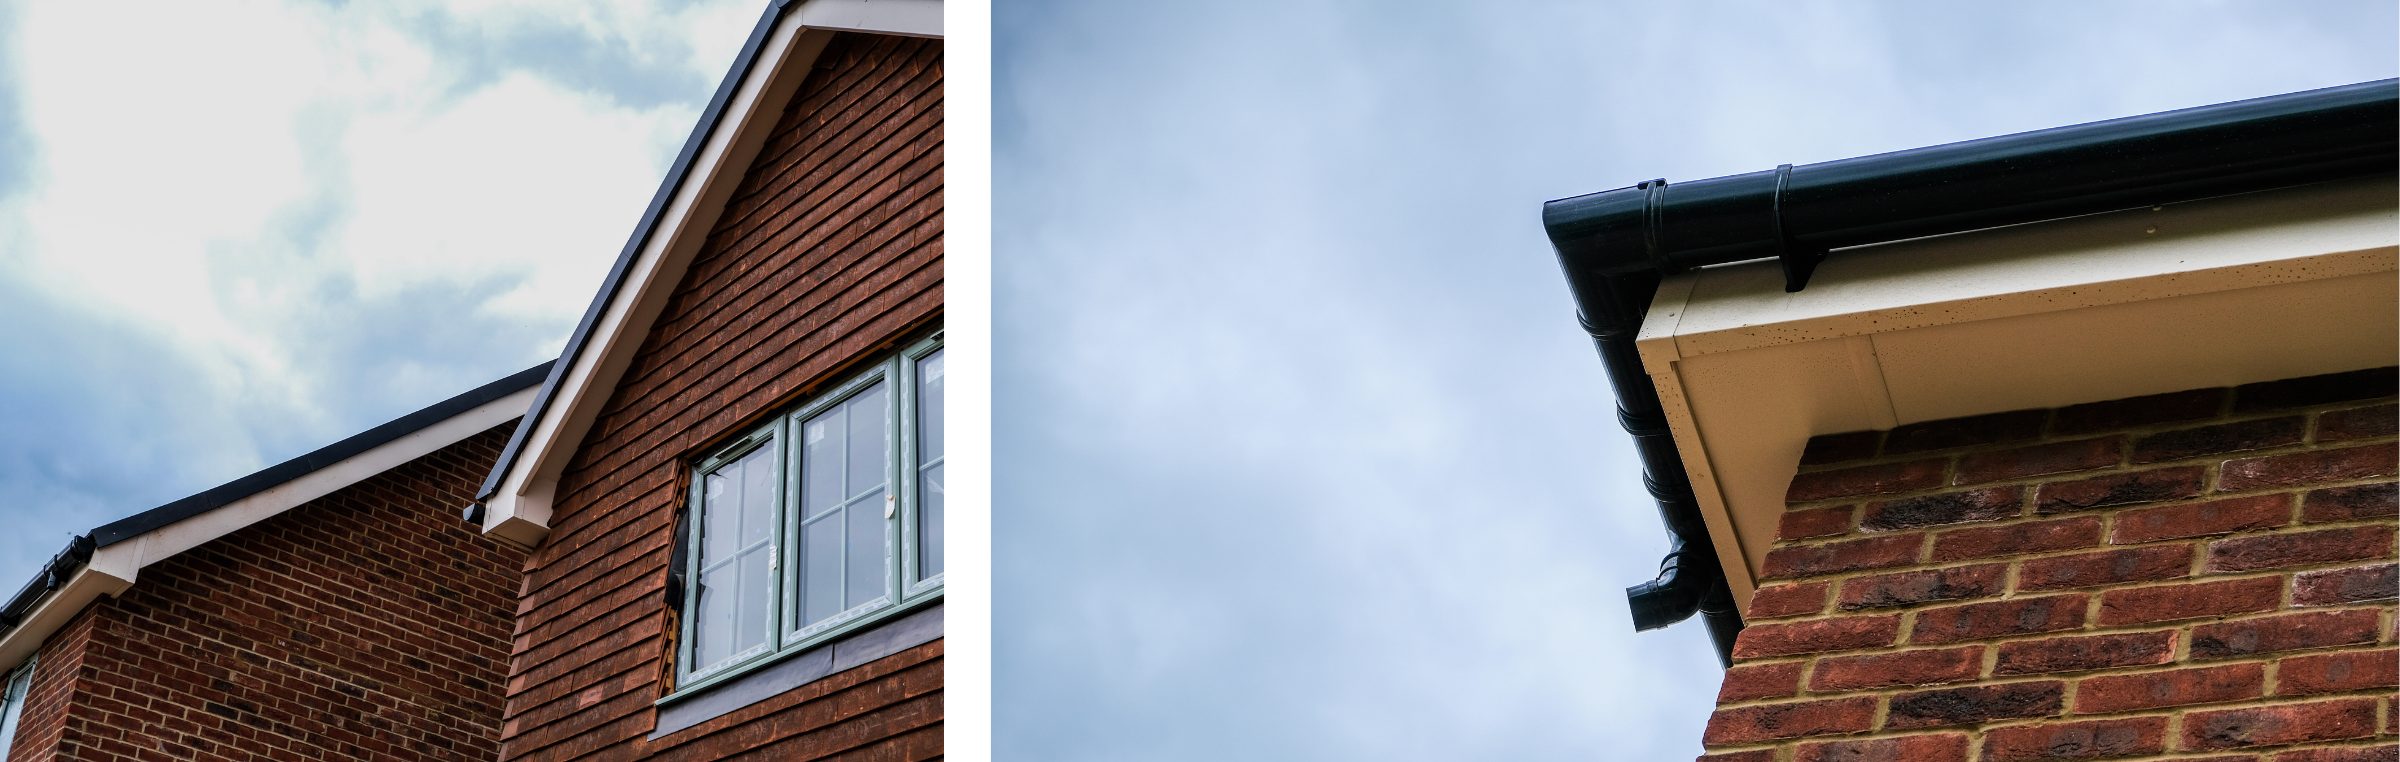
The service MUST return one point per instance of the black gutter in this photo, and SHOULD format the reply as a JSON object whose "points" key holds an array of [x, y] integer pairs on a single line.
{"points": [[642, 233], [1615, 246]]}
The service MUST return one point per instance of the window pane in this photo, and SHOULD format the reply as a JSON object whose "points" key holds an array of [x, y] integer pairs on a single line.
{"points": [[821, 570], [867, 554], [929, 521], [821, 461], [758, 496], [737, 513], [720, 529], [712, 618], [869, 441], [929, 407], [752, 623]]}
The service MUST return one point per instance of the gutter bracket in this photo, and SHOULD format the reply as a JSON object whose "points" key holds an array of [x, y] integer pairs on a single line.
{"points": [[1799, 259]]}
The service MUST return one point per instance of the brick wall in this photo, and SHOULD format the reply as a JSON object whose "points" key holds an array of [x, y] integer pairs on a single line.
{"points": [[2198, 575], [367, 624]]}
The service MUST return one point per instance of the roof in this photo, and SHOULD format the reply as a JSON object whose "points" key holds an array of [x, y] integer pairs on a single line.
{"points": [[781, 50], [107, 560]]}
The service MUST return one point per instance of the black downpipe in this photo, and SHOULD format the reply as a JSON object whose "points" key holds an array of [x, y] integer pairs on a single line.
{"points": [[1616, 246]]}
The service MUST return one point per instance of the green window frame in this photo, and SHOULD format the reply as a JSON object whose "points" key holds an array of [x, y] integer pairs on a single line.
{"points": [[821, 521]]}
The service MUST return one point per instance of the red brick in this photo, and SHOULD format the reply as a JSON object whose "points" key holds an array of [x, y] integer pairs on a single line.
{"points": [[1883, 670], [2036, 460], [1944, 747], [1761, 641], [2167, 603], [2118, 489], [1978, 621], [1820, 522], [2016, 539], [2095, 739], [2358, 423], [1965, 432], [1751, 682], [1844, 556], [2284, 632], [1977, 703], [2149, 563], [2360, 501], [1751, 755], [1880, 479], [2340, 672], [2279, 725], [2176, 687], [2313, 467], [2078, 654], [2315, 390], [1992, 504], [2226, 516], [1910, 588], [2238, 436], [1840, 448], [1788, 600], [2139, 411], [1797, 719], [2335, 587], [2385, 753], [2324, 546]]}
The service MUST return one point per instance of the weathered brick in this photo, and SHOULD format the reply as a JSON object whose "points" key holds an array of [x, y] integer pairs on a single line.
{"points": [[2358, 423], [2335, 587], [1965, 432], [2175, 522], [2283, 632], [2358, 501], [2118, 489], [1881, 670], [2323, 546], [1942, 747], [1797, 719], [1844, 556], [2385, 753], [1978, 703], [2139, 411], [2016, 539], [1978, 621], [2310, 467], [1910, 588], [1878, 479], [2239, 436], [2094, 739], [1751, 682], [2315, 390], [2037, 460], [1820, 522], [1992, 504], [2175, 687], [1840, 448], [1761, 641], [2166, 603], [1747, 755], [2078, 654], [2279, 725], [1787, 600], [2149, 563], [2339, 672]]}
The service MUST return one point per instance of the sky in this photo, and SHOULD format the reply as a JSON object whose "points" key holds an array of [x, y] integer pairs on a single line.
{"points": [[1299, 453]]}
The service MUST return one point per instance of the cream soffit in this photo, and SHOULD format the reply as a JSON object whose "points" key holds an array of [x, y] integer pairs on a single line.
{"points": [[519, 510], [2226, 291], [114, 568]]}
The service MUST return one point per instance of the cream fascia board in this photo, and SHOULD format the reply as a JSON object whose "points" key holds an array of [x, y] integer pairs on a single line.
{"points": [[1943, 327], [115, 568], [520, 510]]}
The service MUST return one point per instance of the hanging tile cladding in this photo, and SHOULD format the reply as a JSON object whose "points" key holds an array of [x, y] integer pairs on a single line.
{"points": [[367, 624], [830, 250], [2199, 573]]}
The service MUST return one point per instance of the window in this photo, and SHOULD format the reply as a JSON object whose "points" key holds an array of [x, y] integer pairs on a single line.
{"points": [[19, 683], [818, 522]]}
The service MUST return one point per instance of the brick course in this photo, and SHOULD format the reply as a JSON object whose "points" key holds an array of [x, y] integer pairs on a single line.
{"points": [[2203, 575]]}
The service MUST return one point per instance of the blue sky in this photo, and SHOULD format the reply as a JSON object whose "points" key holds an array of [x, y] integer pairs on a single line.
{"points": [[1299, 454]]}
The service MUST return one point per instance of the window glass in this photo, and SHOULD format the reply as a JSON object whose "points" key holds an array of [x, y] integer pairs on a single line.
{"points": [[19, 683], [843, 459], [929, 469], [737, 552]]}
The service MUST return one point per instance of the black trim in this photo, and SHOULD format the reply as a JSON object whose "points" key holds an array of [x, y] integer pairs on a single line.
{"points": [[615, 282], [1616, 246], [53, 576]]}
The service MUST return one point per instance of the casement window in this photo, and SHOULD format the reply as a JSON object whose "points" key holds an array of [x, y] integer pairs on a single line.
{"points": [[19, 683], [823, 520]]}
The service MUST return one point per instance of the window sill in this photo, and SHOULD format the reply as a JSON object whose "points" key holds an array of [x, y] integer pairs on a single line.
{"points": [[870, 638]]}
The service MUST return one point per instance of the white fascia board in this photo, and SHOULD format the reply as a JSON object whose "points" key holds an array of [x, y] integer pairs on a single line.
{"points": [[113, 569], [520, 510], [2241, 289]]}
